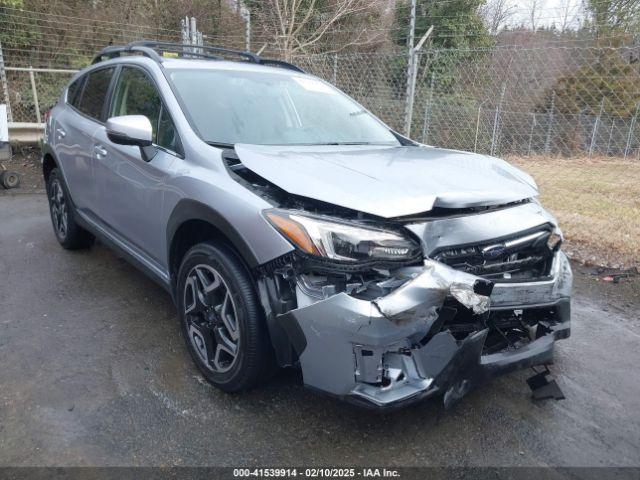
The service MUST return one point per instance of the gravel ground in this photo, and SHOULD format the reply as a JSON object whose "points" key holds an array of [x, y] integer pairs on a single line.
{"points": [[25, 161], [94, 372]]}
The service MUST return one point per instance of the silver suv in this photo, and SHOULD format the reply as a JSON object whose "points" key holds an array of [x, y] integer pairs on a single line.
{"points": [[293, 228]]}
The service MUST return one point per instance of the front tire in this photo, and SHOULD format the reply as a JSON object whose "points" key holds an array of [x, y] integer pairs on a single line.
{"points": [[63, 216], [221, 318]]}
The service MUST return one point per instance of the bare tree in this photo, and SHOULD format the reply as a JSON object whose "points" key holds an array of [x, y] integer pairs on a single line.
{"points": [[533, 8], [496, 13], [569, 13], [299, 25]]}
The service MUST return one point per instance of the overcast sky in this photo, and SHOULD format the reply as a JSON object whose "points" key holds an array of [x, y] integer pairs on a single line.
{"points": [[548, 12]]}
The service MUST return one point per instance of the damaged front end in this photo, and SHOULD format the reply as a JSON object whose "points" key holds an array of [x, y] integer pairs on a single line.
{"points": [[383, 310], [390, 333]]}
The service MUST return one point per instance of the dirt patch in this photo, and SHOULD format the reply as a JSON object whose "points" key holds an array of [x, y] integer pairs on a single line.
{"points": [[25, 161]]}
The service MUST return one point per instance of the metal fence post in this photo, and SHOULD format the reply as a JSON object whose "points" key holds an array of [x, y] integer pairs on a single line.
{"points": [[5, 85], [547, 140], [193, 31], [475, 143], [496, 120], [631, 127], [184, 24], [413, 77], [427, 111], [595, 128], [533, 126], [410, 61], [335, 69], [247, 16], [34, 90], [613, 123]]}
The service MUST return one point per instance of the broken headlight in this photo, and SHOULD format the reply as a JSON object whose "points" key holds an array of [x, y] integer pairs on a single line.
{"points": [[554, 240], [337, 240]]}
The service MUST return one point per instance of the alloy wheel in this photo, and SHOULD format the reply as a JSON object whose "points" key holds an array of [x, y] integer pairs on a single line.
{"points": [[211, 318], [59, 209]]}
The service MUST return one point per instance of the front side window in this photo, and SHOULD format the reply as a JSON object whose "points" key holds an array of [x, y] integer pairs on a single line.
{"points": [[273, 109], [73, 92], [94, 94], [136, 94]]}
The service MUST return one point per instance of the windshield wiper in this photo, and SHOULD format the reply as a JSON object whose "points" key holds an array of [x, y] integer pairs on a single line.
{"points": [[219, 144]]}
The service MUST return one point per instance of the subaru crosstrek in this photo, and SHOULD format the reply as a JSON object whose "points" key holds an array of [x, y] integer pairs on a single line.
{"points": [[294, 228]]}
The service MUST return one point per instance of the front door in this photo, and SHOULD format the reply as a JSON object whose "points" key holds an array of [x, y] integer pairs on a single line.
{"points": [[130, 184]]}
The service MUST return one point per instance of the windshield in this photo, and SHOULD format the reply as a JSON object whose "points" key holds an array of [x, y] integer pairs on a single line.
{"points": [[273, 109]]}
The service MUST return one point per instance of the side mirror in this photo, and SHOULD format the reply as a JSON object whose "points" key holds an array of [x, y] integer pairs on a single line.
{"points": [[130, 130]]}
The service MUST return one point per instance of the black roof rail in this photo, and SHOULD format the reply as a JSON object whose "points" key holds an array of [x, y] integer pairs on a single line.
{"points": [[280, 63], [113, 51], [154, 50]]}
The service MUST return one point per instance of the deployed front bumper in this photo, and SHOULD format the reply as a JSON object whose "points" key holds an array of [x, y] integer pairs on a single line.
{"points": [[393, 350]]}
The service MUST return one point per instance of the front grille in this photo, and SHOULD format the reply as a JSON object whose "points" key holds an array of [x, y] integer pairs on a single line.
{"points": [[521, 257]]}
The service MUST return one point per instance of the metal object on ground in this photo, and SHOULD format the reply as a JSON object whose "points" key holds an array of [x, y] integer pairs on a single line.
{"points": [[9, 179], [543, 386], [5, 148]]}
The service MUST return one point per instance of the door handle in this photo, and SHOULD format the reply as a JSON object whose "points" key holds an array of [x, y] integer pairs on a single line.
{"points": [[100, 151], [61, 133]]}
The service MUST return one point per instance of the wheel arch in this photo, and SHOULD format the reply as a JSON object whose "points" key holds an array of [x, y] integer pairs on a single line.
{"points": [[192, 222], [49, 162]]}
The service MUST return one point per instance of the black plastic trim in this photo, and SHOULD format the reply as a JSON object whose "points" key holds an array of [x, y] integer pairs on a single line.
{"points": [[187, 209], [132, 259]]}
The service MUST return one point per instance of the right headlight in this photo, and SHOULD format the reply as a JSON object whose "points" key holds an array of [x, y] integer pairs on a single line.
{"points": [[337, 240]]}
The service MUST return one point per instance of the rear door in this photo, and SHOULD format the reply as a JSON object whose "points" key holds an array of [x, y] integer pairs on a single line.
{"points": [[131, 189], [73, 131]]}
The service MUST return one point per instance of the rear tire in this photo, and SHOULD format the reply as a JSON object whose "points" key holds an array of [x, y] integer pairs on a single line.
{"points": [[222, 320], [63, 216]]}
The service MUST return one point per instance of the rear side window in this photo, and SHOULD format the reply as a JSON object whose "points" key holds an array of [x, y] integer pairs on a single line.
{"points": [[73, 92], [95, 92]]}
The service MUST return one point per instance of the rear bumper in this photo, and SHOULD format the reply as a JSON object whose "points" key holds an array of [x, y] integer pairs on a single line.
{"points": [[393, 350]]}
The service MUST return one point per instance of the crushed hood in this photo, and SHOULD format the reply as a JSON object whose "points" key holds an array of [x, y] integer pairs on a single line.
{"points": [[389, 181]]}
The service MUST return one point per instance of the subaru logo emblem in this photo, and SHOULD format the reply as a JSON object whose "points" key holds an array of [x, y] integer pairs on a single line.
{"points": [[494, 251]]}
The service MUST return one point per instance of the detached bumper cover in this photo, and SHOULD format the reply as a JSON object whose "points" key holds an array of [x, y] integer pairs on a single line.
{"points": [[393, 350]]}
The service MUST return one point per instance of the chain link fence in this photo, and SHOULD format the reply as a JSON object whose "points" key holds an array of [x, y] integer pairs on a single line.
{"points": [[569, 115], [33, 91], [503, 101], [477, 111]]}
